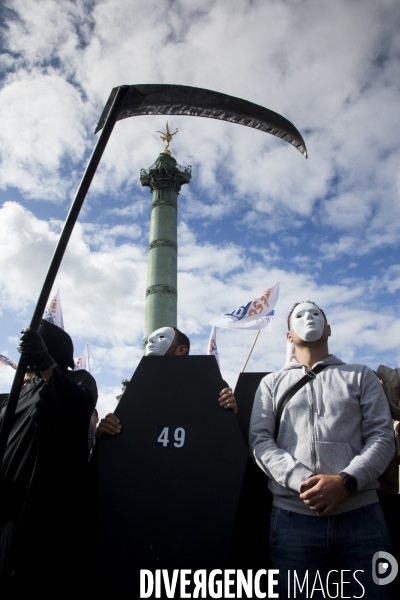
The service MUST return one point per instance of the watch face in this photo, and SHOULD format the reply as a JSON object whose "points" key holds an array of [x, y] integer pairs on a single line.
{"points": [[351, 483]]}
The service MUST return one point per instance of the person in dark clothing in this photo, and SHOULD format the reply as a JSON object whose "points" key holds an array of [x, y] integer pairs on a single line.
{"points": [[43, 509]]}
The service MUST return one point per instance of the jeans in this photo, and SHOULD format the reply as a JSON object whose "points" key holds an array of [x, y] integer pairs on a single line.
{"points": [[306, 548]]}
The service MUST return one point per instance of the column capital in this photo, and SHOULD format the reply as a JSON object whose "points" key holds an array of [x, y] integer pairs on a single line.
{"points": [[165, 173]]}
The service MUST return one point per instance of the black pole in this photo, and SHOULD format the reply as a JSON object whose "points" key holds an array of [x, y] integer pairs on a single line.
{"points": [[56, 261]]}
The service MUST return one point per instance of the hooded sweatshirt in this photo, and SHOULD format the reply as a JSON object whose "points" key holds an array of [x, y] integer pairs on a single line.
{"points": [[339, 421]]}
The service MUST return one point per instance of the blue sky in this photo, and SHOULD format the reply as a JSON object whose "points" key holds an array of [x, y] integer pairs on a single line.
{"points": [[255, 210]]}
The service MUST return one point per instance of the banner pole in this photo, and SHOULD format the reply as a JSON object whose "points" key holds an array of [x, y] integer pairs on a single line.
{"points": [[56, 261], [254, 343]]}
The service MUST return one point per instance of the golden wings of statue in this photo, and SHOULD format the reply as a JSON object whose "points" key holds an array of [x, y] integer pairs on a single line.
{"points": [[167, 137]]}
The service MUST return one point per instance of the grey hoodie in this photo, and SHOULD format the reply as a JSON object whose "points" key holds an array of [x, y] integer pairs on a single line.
{"points": [[339, 421]]}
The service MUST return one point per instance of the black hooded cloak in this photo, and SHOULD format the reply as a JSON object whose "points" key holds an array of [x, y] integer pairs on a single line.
{"points": [[43, 509]]}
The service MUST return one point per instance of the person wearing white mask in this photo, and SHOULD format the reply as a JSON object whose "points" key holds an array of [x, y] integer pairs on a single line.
{"points": [[166, 341], [321, 430]]}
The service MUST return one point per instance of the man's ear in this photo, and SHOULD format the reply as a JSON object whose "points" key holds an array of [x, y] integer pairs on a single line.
{"points": [[181, 350], [329, 331], [289, 337]]}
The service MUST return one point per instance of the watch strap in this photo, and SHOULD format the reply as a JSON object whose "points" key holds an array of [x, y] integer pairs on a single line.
{"points": [[349, 481]]}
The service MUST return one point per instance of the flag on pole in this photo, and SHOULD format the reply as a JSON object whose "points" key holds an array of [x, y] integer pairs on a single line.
{"points": [[290, 352], [83, 361], [256, 314], [7, 361], [53, 311], [212, 344]]}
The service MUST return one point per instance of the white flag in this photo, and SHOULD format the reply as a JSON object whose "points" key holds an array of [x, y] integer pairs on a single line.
{"points": [[212, 344], [290, 351], [7, 362], [53, 311], [83, 361], [256, 314]]}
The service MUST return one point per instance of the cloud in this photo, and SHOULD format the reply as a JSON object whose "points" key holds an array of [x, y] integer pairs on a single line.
{"points": [[103, 289], [391, 279], [255, 210], [104, 236], [42, 125], [333, 87], [107, 401], [92, 283], [6, 378]]}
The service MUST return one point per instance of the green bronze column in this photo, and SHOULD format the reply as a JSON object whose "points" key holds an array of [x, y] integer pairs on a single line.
{"points": [[164, 178]]}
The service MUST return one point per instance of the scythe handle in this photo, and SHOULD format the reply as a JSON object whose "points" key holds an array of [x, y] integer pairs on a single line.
{"points": [[56, 261]]}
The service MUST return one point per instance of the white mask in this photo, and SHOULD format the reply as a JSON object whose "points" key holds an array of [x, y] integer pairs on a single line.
{"points": [[308, 322], [159, 341]]}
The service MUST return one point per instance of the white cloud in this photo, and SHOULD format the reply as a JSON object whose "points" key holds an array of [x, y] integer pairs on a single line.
{"points": [[391, 279], [107, 401], [42, 125], [95, 290], [312, 63], [6, 379], [331, 68]]}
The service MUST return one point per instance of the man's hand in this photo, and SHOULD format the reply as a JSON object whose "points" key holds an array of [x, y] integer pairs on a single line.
{"points": [[227, 399], [323, 493], [109, 425], [47, 373]]}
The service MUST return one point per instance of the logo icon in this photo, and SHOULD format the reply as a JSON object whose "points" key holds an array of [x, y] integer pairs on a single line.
{"points": [[381, 561]]}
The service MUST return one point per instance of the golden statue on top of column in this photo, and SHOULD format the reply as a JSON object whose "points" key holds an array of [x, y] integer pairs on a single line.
{"points": [[167, 137]]}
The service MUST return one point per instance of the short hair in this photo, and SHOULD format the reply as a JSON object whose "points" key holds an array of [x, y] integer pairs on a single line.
{"points": [[182, 339], [304, 302]]}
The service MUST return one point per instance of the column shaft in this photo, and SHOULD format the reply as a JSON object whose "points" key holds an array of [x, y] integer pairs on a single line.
{"points": [[165, 179]]}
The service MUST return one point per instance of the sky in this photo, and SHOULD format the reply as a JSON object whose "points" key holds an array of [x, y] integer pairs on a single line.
{"points": [[255, 211]]}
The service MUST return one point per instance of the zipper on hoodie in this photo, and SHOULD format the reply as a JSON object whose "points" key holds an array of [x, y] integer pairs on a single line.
{"points": [[312, 419]]}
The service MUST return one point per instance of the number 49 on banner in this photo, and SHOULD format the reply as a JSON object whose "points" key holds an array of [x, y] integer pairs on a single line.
{"points": [[171, 436]]}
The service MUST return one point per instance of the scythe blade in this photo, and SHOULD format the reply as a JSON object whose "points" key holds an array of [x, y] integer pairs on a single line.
{"points": [[165, 99]]}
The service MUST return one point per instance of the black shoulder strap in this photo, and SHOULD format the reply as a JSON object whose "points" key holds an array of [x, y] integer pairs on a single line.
{"points": [[311, 374]]}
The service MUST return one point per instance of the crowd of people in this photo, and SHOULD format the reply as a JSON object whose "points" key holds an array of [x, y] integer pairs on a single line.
{"points": [[321, 430]]}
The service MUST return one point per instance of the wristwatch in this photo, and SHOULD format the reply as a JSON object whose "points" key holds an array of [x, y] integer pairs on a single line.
{"points": [[350, 482]]}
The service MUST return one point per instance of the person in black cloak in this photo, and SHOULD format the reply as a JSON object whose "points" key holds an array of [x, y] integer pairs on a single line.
{"points": [[43, 506]]}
